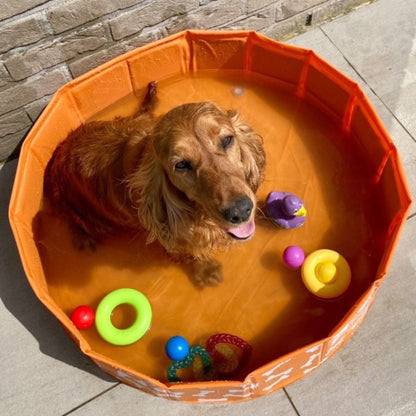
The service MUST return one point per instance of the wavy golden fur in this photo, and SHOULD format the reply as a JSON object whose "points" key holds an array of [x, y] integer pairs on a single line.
{"points": [[189, 178]]}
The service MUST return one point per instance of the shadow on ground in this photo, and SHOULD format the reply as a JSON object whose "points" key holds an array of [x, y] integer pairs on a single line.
{"points": [[20, 300]]}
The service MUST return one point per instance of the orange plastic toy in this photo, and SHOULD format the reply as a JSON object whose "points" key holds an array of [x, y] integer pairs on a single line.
{"points": [[324, 142]]}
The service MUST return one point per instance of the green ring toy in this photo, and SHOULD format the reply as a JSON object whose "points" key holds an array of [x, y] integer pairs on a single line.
{"points": [[187, 362], [140, 326]]}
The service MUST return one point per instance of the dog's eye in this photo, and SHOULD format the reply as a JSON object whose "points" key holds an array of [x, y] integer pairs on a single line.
{"points": [[183, 165], [227, 141]]}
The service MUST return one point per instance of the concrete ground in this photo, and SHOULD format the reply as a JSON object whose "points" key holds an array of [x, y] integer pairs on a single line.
{"points": [[43, 373]]}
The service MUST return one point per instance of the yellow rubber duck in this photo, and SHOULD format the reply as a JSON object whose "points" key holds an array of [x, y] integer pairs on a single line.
{"points": [[326, 273]]}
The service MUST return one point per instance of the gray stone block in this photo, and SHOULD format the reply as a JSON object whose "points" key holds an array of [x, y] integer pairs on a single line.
{"points": [[84, 64], [74, 13], [8, 143], [29, 62], [32, 89], [257, 21], [253, 5], [292, 7], [220, 12], [14, 122], [292, 18], [12, 8], [4, 76], [34, 109], [134, 21], [215, 14], [21, 32]]}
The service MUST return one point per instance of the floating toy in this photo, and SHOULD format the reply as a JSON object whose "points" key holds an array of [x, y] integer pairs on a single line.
{"points": [[326, 273], [287, 210], [140, 326], [293, 257], [238, 91], [225, 363], [225, 358], [83, 317], [177, 348], [196, 350], [224, 355]]}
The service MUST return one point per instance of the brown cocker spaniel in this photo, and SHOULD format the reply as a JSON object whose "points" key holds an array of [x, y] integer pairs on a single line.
{"points": [[189, 178]]}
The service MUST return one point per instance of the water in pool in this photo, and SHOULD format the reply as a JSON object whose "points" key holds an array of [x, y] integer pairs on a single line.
{"points": [[260, 300]]}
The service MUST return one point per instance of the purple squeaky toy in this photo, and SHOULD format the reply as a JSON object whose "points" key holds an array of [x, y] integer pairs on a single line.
{"points": [[286, 209]]}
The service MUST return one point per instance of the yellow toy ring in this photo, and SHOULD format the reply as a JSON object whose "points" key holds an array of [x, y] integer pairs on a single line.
{"points": [[326, 274]]}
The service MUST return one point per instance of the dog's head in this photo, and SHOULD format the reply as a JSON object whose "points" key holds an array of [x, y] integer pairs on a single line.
{"points": [[208, 159]]}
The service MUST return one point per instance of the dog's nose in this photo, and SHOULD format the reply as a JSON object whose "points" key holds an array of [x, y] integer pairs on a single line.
{"points": [[239, 211]]}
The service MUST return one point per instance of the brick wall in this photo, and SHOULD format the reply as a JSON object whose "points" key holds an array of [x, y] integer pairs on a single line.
{"points": [[44, 44]]}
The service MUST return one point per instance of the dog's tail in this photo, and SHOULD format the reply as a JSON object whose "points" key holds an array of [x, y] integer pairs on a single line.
{"points": [[150, 99]]}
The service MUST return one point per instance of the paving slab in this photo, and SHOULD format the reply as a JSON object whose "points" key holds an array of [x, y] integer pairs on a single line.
{"points": [[42, 372], [379, 40], [125, 401], [319, 41], [374, 374]]}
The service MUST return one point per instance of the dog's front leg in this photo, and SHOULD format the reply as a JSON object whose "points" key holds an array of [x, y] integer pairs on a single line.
{"points": [[206, 272]]}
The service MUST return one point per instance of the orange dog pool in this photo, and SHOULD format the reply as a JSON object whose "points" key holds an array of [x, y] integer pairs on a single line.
{"points": [[323, 142]]}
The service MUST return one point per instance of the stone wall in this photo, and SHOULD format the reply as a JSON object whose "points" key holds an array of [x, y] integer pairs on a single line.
{"points": [[44, 44]]}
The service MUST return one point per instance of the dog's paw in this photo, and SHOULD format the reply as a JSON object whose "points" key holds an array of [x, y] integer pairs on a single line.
{"points": [[207, 273]]}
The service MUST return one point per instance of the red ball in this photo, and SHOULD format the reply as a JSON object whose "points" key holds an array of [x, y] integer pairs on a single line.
{"points": [[83, 317]]}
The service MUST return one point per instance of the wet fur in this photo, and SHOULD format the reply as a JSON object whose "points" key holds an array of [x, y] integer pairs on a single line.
{"points": [[120, 174]]}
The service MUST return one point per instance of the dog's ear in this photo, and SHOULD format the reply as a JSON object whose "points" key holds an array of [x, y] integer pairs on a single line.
{"points": [[160, 209], [252, 151]]}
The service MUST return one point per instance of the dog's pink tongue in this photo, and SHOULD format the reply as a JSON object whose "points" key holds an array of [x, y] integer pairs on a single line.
{"points": [[244, 231]]}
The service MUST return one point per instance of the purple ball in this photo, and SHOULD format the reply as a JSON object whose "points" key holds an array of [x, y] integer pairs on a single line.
{"points": [[293, 256]]}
